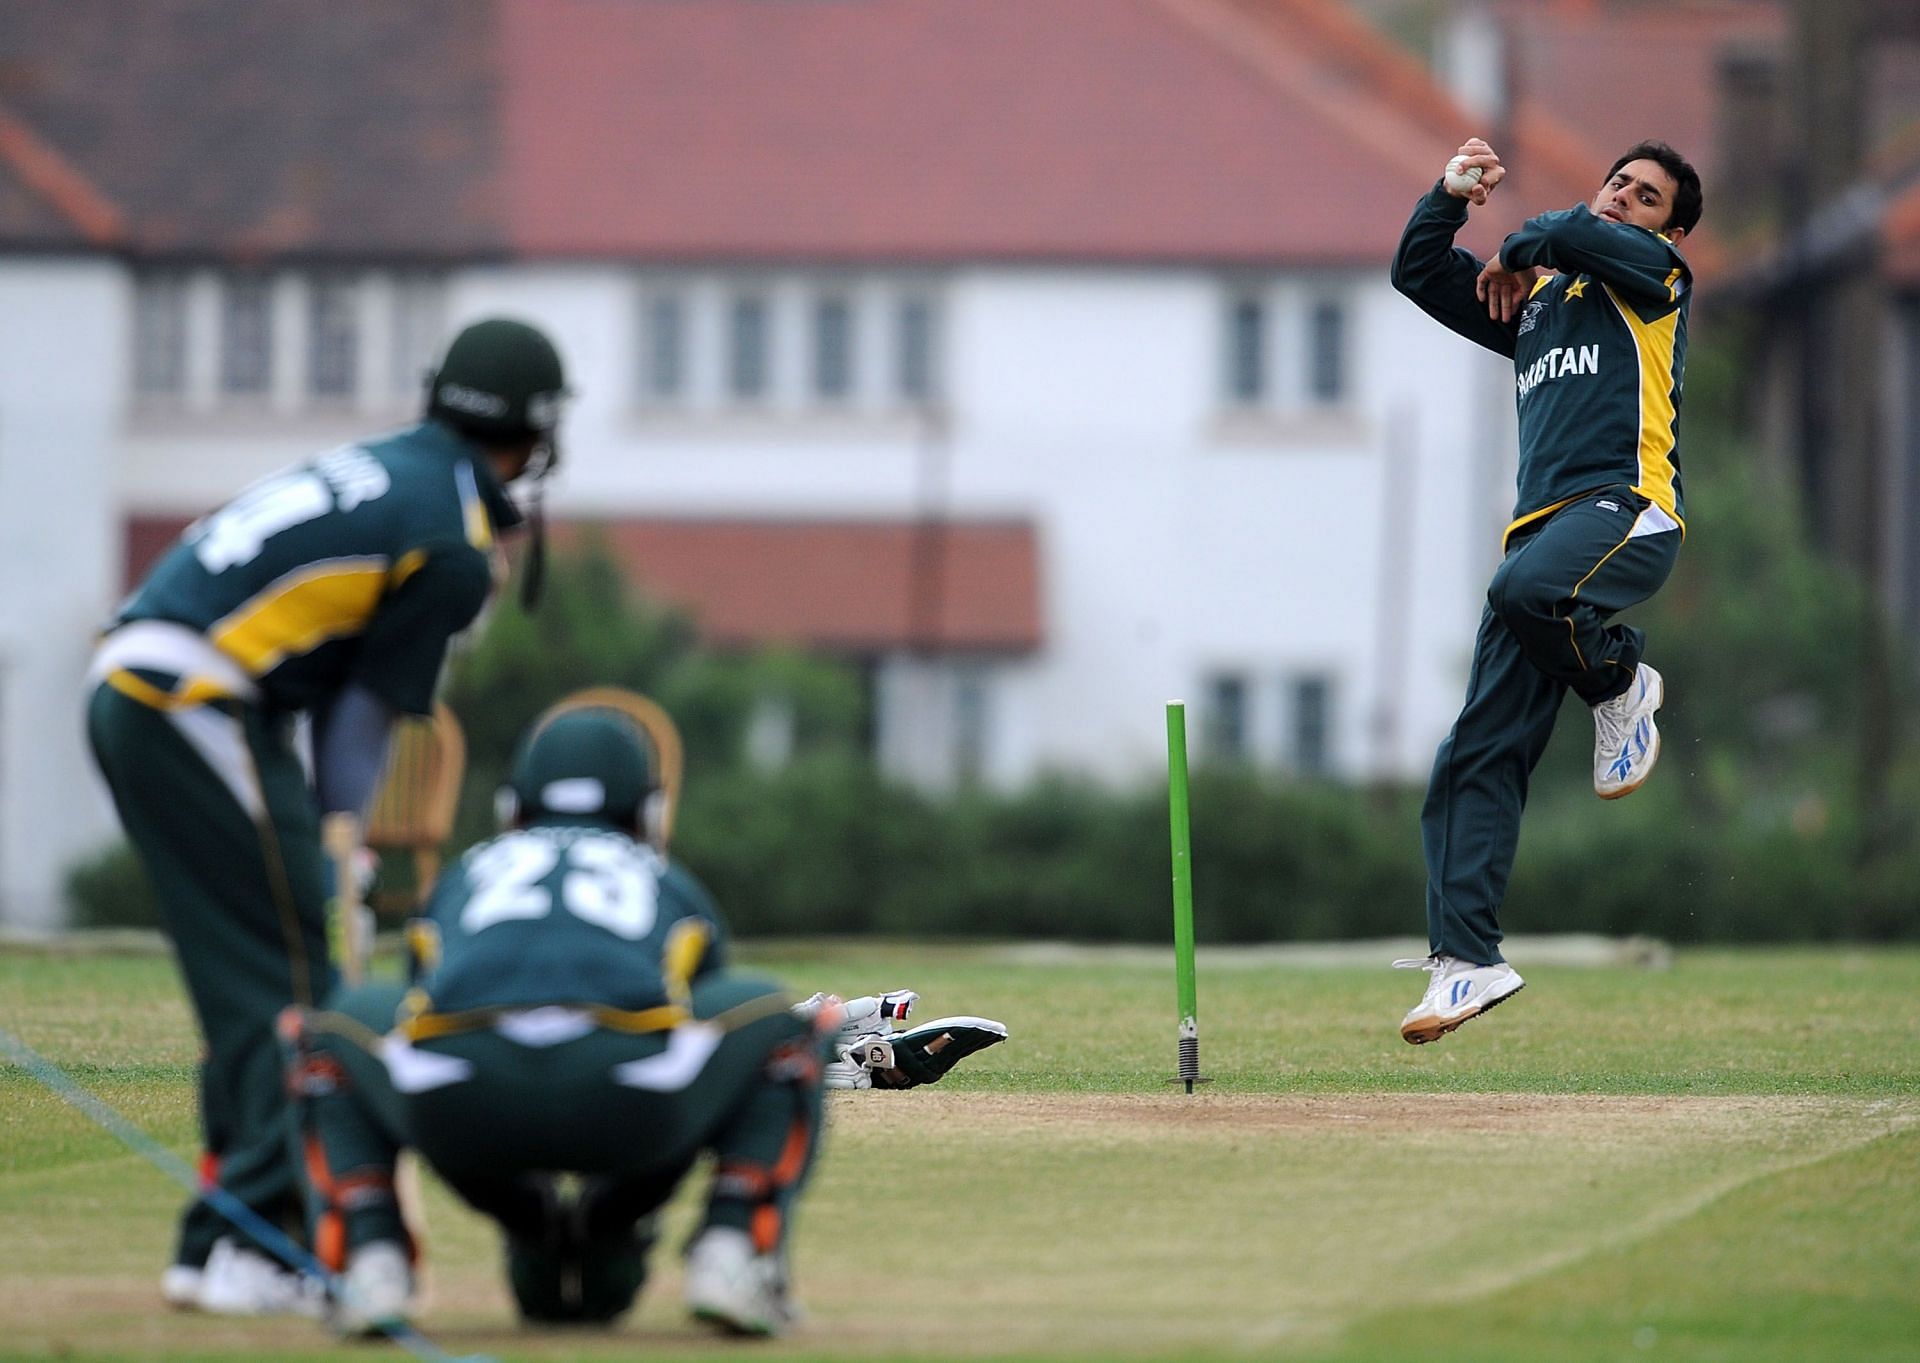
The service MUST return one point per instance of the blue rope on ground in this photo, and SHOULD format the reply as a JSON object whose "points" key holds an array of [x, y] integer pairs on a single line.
{"points": [[244, 1218]]}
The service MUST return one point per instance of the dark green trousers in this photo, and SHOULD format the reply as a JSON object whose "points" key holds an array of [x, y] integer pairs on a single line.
{"points": [[1545, 631], [630, 1114], [216, 803]]}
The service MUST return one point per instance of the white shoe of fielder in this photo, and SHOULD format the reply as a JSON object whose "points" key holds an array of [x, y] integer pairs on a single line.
{"points": [[180, 1287], [1626, 742], [1458, 990], [376, 1291], [240, 1280], [732, 1286]]}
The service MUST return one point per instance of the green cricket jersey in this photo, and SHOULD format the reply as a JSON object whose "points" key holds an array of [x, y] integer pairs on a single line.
{"points": [[356, 566], [571, 914], [1599, 348]]}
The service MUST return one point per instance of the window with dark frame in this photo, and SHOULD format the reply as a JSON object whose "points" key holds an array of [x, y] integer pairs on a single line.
{"points": [[1224, 720], [914, 323], [663, 347], [832, 349], [1312, 725], [1327, 351], [246, 336], [748, 370], [1246, 351], [333, 336]]}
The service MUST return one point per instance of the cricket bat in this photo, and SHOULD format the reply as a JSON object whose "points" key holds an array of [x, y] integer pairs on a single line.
{"points": [[350, 928], [348, 932]]}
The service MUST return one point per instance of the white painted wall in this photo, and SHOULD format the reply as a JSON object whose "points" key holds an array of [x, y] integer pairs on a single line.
{"points": [[63, 343], [1177, 539]]}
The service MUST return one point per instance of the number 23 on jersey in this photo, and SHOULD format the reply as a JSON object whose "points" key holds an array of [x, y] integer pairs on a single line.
{"points": [[609, 881]]}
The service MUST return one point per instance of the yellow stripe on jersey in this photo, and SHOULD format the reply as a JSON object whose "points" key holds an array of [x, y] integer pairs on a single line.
{"points": [[195, 691], [409, 563], [423, 940], [479, 524], [418, 1021], [1654, 342], [301, 611], [1533, 516], [686, 947]]}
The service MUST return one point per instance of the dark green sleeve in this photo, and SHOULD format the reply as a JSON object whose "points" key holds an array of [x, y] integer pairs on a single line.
{"points": [[442, 910], [1641, 266], [402, 651], [1438, 276]]}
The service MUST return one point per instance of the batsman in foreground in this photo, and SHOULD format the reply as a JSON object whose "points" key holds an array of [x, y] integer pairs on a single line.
{"points": [[330, 590], [575, 1042], [1599, 350]]}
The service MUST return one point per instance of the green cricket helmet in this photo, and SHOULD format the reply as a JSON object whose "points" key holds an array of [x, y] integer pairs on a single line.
{"points": [[500, 383], [588, 765]]}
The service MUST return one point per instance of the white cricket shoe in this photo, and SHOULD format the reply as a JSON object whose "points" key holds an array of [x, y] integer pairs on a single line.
{"points": [[240, 1280], [1626, 742], [1457, 991], [731, 1286], [376, 1291], [180, 1286]]}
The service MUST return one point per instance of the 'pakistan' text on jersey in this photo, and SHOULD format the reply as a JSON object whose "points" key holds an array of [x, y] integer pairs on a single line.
{"points": [[568, 914], [357, 565], [1599, 349]]}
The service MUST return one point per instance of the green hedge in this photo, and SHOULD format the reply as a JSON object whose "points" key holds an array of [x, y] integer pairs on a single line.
{"points": [[828, 847], [110, 889]]}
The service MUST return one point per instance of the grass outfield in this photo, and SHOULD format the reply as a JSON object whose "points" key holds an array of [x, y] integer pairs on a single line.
{"points": [[1717, 1161]]}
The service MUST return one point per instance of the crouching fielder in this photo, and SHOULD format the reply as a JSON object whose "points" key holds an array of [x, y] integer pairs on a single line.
{"points": [[575, 1042]]}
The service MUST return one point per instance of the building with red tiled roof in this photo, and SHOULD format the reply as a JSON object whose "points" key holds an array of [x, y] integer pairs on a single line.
{"points": [[1035, 356], [44, 200], [1136, 130], [849, 586], [1575, 58]]}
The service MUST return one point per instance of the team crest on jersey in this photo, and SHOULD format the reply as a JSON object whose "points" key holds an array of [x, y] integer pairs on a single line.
{"points": [[1530, 316]]}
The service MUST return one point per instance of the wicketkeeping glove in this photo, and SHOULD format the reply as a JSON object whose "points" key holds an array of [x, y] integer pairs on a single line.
{"points": [[924, 1054]]}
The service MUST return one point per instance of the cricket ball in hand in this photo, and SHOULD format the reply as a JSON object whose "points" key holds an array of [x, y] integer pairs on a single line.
{"points": [[1461, 177]]}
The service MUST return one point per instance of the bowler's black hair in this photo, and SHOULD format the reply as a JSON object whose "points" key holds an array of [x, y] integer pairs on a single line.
{"points": [[1686, 195]]}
